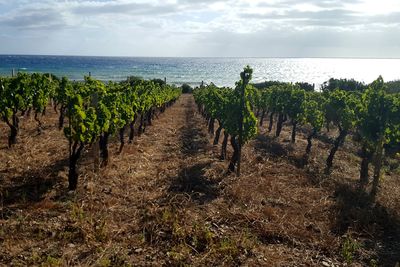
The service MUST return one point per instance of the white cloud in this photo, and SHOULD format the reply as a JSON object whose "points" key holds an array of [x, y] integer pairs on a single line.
{"points": [[202, 27]]}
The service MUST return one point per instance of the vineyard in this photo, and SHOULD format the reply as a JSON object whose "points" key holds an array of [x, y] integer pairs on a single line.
{"points": [[272, 174], [95, 111], [372, 116]]}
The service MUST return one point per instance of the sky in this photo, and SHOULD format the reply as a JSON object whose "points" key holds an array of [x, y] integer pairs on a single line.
{"points": [[205, 28]]}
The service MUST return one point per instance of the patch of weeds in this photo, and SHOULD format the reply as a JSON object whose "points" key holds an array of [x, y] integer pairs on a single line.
{"points": [[228, 248], [178, 231], [173, 226], [179, 256], [51, 262], [100, 231], [35, 258], [115, 260], [349, 248], [200, 238], [40, 233], [72, 234], [20, 225], [118, 260], [104, 262], [184, 241], [352, 159], [247, 241], [77, 213], [42, 258], [373, 263], [163, 225], [168, 225]]}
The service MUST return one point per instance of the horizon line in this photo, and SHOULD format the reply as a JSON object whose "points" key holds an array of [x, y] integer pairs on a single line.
{"points": [[234, 57]]}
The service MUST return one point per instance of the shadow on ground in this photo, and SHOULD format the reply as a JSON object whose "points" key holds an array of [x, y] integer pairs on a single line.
{"points": [[191, 179], [193, 139], [356, 212], [31, 186], [271, 147], [194, 183]]}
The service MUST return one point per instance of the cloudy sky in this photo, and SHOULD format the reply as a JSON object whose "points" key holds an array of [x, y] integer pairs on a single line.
{"points": [[257, 28]]}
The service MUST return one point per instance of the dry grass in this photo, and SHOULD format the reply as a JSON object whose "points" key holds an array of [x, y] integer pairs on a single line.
{"points": [[167, 200]]}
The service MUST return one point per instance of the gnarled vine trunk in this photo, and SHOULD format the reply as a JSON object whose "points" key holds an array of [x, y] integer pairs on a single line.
{"points": [[73, 160], [207, 118], [54, 104], [306, 156], [39, 129], [294, 129], [104, 149], [338, 142], [142, 125], [224, 145], [366, 158], [211, 126], [61, 117], [328, 129], [132, 129], [14, 128], [217, 134], [378, 157], [279, 124], [235, 156], [122, 138], [262, 117], [271, 121], [149, 116]]}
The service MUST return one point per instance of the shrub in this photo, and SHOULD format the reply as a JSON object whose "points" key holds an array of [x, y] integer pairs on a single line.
{"points": [[186, 89]]}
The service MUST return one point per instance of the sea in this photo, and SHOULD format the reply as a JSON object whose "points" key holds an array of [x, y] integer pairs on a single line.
{"points": [[195, 70]]}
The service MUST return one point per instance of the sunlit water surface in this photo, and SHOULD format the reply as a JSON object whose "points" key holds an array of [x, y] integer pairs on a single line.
{"points": [[221, 71]]}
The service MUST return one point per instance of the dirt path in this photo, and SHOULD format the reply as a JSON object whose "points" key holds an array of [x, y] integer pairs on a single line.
{"points": [[169, 158], [157, 187]]}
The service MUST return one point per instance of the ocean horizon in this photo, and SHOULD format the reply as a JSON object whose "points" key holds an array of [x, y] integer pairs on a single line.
{"points": [[223, 71]]}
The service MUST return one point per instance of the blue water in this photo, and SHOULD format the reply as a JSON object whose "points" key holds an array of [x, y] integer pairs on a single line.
{"points": [[221, 71]]}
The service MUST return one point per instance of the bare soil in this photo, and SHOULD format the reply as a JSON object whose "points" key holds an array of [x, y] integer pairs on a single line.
{"points": [[167, 200]]}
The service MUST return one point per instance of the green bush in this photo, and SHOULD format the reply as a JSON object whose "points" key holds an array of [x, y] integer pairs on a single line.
{"points": [[343, 84], [393, 86], [186, 89]]}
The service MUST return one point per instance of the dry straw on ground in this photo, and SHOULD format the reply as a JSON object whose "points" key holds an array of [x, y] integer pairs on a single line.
{"points": [[167, 200]]}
